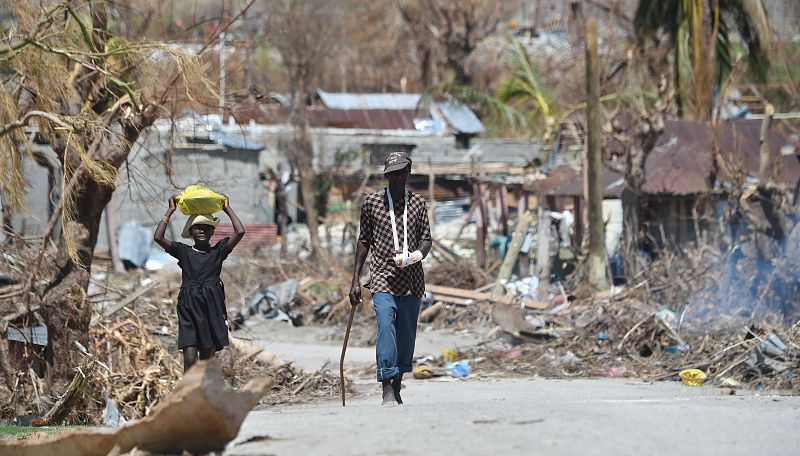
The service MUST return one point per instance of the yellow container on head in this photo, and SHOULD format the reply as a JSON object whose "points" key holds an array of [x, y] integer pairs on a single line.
{"points": [[198, 200]]}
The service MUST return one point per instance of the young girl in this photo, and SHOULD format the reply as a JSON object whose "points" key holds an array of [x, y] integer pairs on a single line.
{"points": [[202, 315]]}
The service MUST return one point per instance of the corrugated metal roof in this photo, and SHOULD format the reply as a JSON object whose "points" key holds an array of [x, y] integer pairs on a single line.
{"points": [[460, 117], [371, 119], [258, 235], [681, 161], [36, 335], [612, 184], [385, 111], [369, 100]]}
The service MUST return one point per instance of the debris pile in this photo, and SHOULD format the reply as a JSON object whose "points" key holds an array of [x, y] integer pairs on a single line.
{"points": [[639, 331], [133, 346], [461, 274], [200, 415]]}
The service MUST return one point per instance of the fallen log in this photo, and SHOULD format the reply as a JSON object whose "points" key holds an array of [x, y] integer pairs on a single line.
{"points": [[199, 416]]}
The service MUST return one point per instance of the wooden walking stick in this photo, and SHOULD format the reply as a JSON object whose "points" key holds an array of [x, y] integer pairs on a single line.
{"points": [[344, 349]]}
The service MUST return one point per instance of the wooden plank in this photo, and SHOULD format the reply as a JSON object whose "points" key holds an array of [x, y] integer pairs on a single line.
{"points": [[532, 304], [439, 290], [120, 305]]}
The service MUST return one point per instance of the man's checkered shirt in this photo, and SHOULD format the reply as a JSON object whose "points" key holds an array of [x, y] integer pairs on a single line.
{"points": [[376, 233]]}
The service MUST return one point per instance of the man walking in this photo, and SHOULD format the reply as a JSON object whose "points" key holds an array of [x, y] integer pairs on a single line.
{"points": [[394, 225]]}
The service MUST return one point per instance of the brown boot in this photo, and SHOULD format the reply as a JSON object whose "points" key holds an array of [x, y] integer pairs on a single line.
{"points": [[396, 387], [388, 393]]}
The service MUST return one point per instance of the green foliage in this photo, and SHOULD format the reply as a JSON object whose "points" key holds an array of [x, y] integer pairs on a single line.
{"points": [[701, 32], [524, 91], [8, 431]]}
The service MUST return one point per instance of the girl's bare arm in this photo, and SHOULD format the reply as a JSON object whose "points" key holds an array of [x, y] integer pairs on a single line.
{"points": [[162, 226], [238, 228]]}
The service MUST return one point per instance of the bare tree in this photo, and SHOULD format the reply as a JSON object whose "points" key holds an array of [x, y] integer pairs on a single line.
{"points": [[89, 94], [448, 31], [305, 34]]}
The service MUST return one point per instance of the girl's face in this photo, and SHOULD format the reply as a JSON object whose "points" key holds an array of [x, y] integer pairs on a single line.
{"points": [[201, 234]]}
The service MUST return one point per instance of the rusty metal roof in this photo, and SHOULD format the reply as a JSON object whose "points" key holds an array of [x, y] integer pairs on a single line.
{"points": [[319, 116], [382, 111], [555, 178], [371, 119], [681, 161], [612, 184]]}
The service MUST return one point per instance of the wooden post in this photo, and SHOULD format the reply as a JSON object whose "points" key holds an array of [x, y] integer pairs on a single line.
{"points": [[507, 267], [480, 221], [502, 193], [764, 168], [543, 252], [432, 205], [593, 166], [111, 235], [524, 260]]}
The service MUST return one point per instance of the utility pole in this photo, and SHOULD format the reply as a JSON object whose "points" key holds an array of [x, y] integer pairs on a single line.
{"points": [[222, 78], [593, 166], [222, 68]]}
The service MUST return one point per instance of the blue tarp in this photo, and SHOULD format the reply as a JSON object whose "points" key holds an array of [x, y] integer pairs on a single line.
{"points": [[134, 244]]}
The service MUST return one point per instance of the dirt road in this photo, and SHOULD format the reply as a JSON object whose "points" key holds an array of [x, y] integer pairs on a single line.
{"points": [[552, 417], [509, 417]]}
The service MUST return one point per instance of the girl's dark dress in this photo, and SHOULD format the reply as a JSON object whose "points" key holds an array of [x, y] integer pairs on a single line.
{"points": [[201, 301]]}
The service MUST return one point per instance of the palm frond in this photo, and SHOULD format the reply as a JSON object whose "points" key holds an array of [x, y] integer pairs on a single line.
{"points": [[525, 80], [723, 53], [654, 15], [498, 111], [750, 19]]}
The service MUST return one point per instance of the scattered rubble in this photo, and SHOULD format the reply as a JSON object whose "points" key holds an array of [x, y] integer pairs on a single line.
{"points": [[629, 332]]}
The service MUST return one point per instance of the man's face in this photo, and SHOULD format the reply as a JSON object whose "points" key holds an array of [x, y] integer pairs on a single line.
{"points": [[398, 178]]}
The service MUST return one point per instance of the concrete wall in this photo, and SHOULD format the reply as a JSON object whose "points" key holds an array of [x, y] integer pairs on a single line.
{"points": [[144, 186]]}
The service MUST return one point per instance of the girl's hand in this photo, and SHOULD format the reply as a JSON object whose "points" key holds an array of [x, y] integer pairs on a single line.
{"points": [[226, 204], [173, 203]]}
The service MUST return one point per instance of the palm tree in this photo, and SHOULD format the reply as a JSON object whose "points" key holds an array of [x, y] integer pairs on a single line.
{"points": [[523, 91], [700, 33], [520, 104]]}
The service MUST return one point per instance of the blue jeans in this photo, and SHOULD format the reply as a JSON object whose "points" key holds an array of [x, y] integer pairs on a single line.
{"points": [[397, 332]]}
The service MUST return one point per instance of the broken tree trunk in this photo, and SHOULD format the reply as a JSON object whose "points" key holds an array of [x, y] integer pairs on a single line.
{"points": [[593, 167], [510, 260], [199, 416], [58, 413]]}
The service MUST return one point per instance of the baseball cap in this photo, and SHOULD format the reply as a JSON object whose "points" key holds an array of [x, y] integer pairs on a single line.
{"points": [[396, 161]]}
